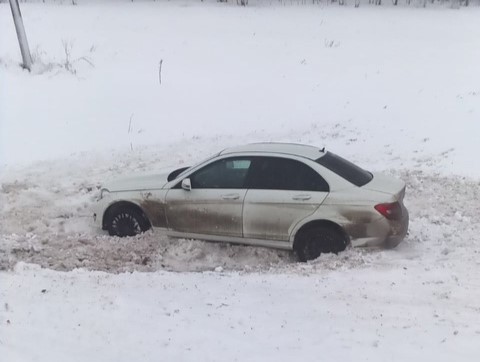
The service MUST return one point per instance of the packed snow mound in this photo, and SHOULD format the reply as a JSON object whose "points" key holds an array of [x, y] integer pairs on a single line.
{"points": [[47, 220]]}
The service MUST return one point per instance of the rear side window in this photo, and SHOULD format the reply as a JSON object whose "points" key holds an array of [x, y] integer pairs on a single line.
{"points": [[276, 173], [345, 169]]}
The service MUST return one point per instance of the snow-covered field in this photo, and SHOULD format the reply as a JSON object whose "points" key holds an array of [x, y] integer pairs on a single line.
{"points": [[395, 90]]}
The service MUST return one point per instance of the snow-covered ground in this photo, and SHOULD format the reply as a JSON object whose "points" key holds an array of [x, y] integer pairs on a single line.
{"points": [[395, 90], [396, 74]]}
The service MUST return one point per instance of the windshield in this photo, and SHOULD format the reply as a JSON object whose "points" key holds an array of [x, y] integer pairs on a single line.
{"points": [[345, 169], [184, 172]]}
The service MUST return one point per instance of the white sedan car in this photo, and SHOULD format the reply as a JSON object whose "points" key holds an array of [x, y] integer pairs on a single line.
{"points": [[278, 195]]}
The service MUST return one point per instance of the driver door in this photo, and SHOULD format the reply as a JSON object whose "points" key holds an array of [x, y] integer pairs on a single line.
{"points": [[213, 205]]}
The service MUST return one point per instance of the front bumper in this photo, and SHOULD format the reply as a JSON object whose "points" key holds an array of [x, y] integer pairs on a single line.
{"points": [[98, 211]]}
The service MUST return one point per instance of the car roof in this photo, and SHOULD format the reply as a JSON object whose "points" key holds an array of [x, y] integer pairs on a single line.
{"points": [[295, 149]]}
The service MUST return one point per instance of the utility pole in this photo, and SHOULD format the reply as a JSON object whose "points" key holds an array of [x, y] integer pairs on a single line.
{"points": [[22, 37]]}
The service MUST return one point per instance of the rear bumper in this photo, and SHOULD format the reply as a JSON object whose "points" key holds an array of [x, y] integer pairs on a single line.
{"points": [[399, 231], [385, 233]]}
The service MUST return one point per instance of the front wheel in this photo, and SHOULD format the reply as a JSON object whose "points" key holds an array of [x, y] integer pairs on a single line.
{"points": [[313, 242], [126, 221]]}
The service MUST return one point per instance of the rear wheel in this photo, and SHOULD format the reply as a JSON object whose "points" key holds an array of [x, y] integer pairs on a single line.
{"points": [[126, 221], [312, 242]]}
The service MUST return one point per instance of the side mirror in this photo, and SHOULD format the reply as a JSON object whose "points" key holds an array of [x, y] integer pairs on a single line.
{"points": [[186, 184]]}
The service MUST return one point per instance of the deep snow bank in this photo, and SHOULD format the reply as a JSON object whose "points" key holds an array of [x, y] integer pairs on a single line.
{"points": [[47, 219]]}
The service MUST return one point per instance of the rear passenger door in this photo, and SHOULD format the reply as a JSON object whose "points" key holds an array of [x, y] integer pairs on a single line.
{"points": [[281, 192]]}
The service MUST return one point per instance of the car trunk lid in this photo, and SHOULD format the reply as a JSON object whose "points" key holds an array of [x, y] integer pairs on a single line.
{"points": [[387, 185]]}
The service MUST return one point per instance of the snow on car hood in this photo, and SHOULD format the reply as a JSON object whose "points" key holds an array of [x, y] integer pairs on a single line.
{"points": [[143, 182]]}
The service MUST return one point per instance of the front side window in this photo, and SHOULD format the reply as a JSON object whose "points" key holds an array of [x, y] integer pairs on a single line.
{"points": [[228, 173], [276, 173]]}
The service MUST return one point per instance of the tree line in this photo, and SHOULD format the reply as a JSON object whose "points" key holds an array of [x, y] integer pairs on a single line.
{"points": [[356, 3]]}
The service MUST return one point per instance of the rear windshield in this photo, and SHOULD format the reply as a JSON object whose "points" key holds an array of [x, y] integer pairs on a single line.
{"points": [[343, 168]]}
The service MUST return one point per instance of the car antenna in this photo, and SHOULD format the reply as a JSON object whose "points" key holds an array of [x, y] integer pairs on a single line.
{"points": [[323, 150]]}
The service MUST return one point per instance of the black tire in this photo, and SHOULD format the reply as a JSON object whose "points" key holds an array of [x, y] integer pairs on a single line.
{"points": [[312, 242], [126, 221]]}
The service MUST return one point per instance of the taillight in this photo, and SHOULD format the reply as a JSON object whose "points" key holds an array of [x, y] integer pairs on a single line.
{"points": [[392, 211]]}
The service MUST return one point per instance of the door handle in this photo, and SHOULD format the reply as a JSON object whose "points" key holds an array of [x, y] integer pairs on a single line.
{"points": [[302, 197], [231, 197]]}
